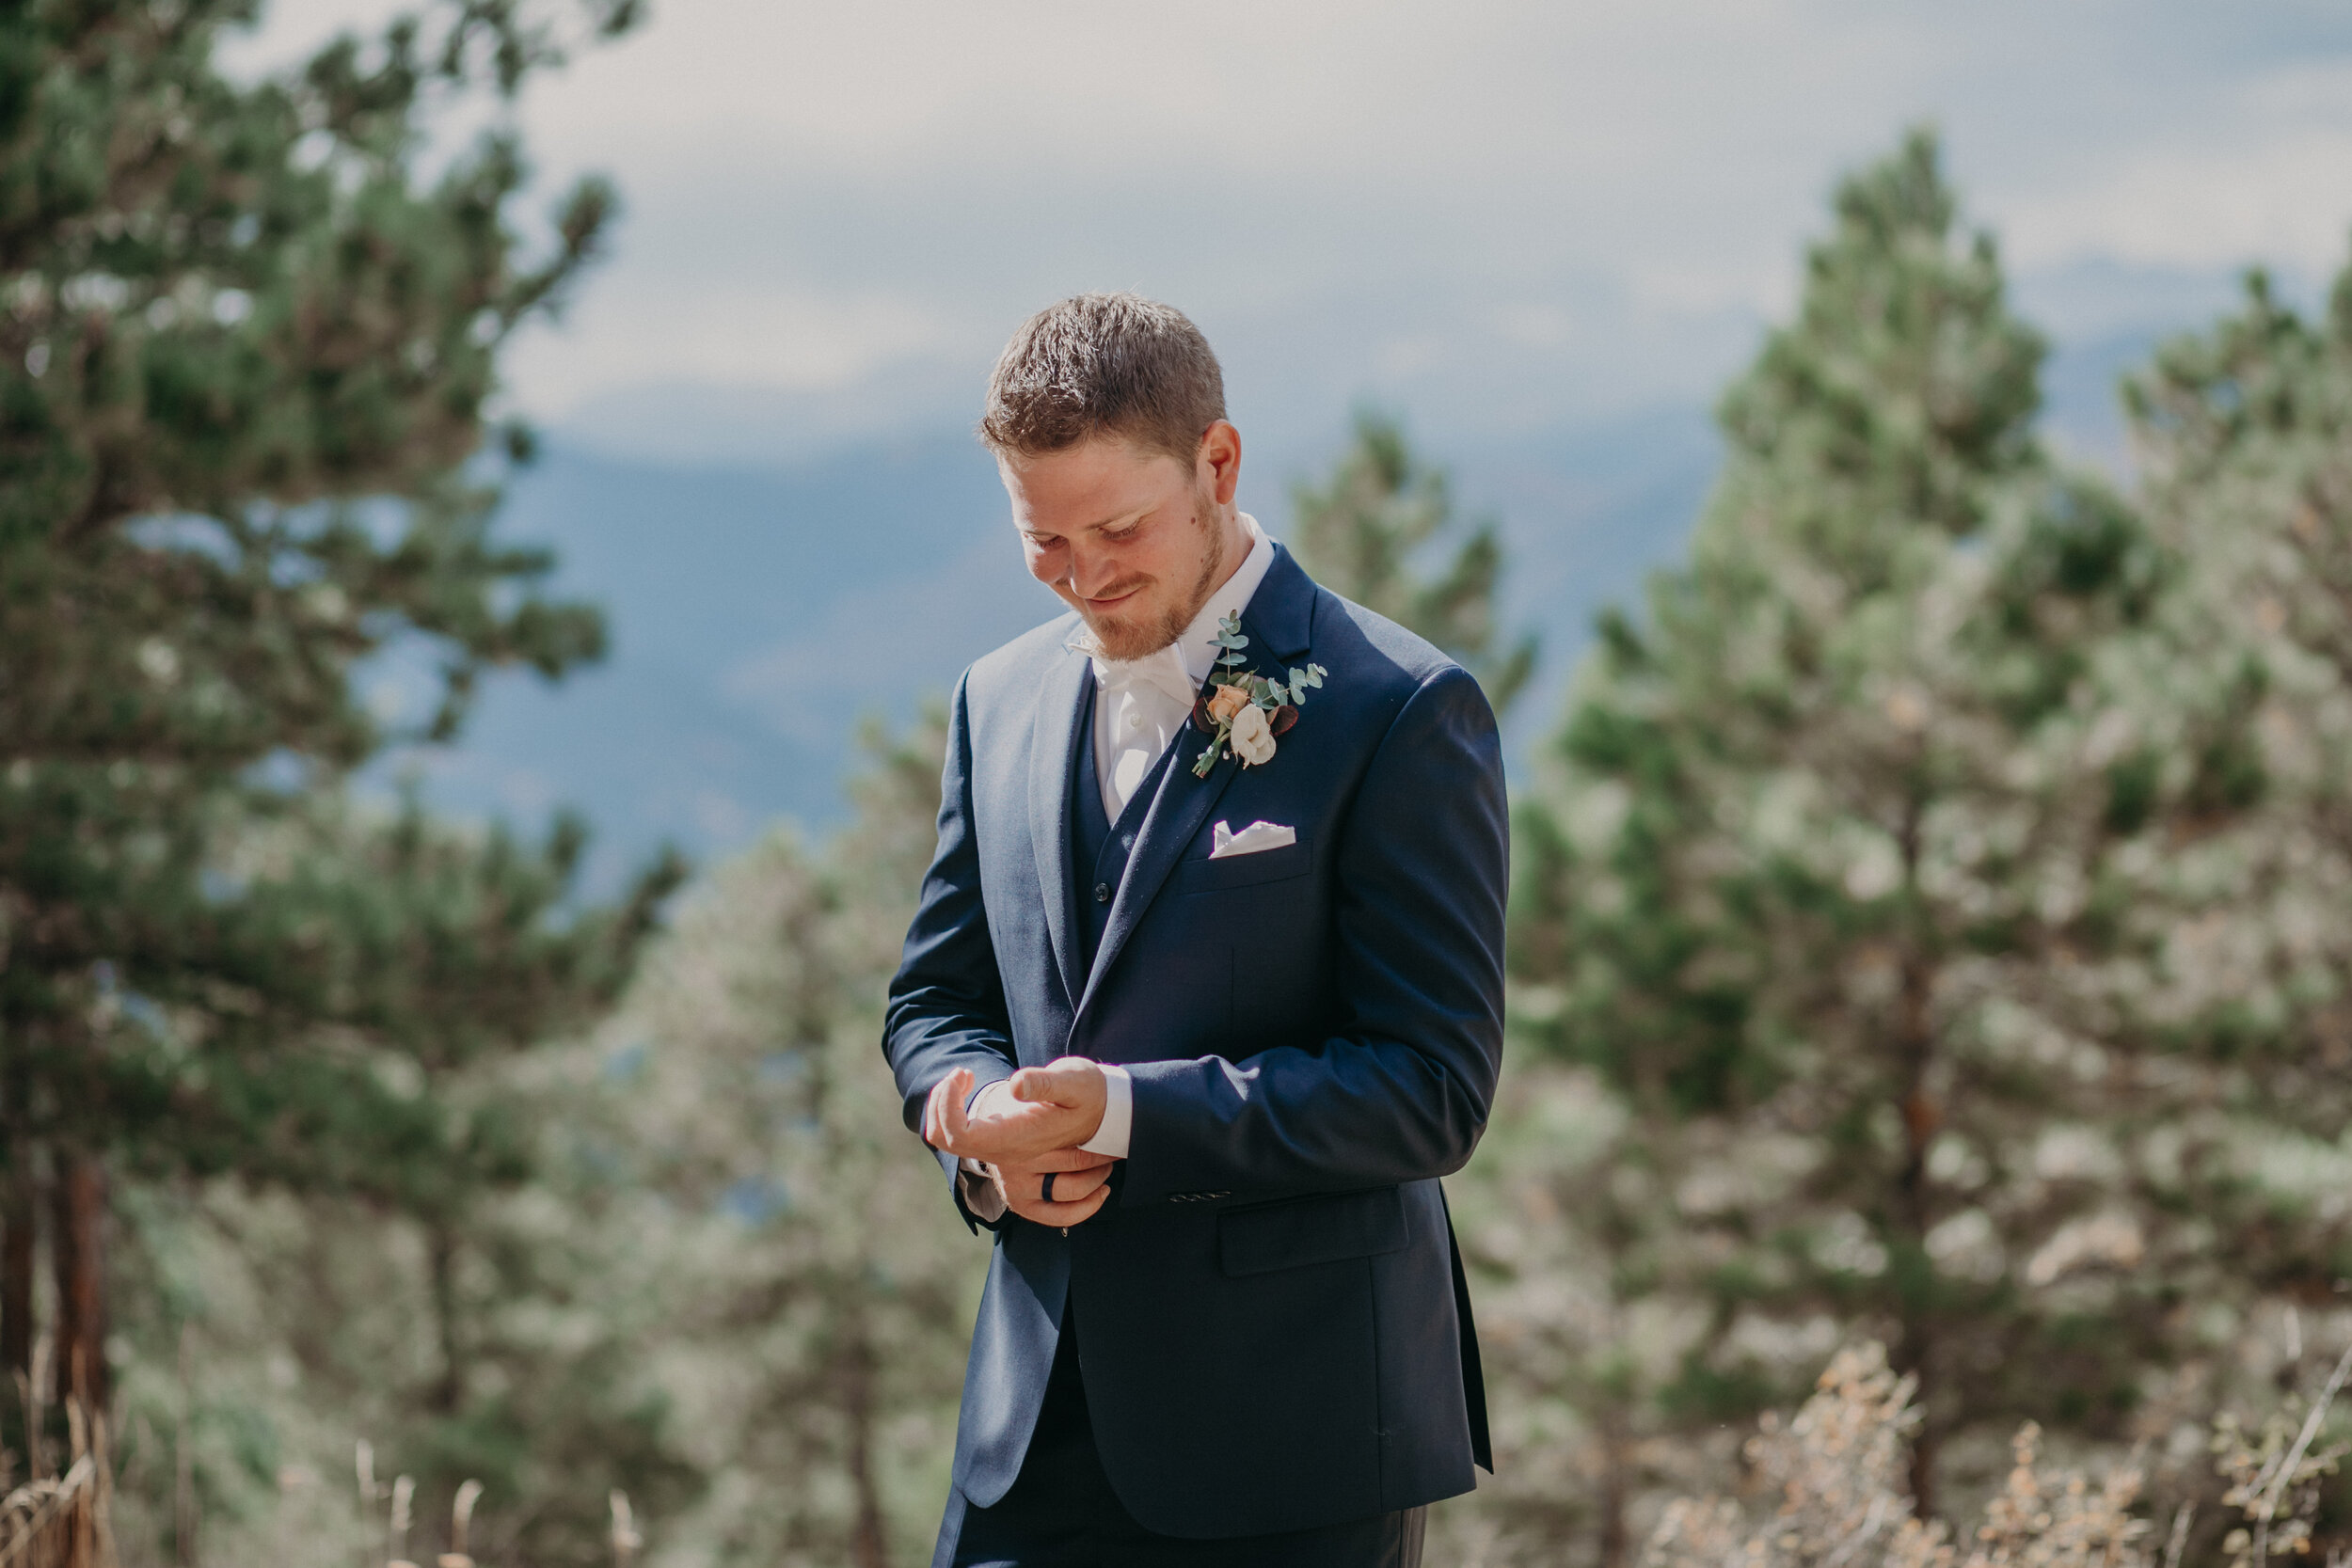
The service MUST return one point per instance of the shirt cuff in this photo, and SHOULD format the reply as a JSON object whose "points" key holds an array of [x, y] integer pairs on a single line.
{"points": [[1119, 1115], [979, 1191]]}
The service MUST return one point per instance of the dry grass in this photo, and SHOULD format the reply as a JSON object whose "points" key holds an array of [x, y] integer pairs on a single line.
{"points": [[1828, 1491], [61, 1521]]}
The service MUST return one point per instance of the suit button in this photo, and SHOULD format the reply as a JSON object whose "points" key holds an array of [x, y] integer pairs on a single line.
{"points": [[1102, 892]]}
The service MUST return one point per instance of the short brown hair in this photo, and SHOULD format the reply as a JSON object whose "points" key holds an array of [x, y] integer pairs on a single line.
{"points": [[1104, 364]]}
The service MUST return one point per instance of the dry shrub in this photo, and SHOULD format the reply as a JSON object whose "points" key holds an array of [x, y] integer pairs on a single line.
{"points": [[2274, 1476], [60, 1521], [1838, 1473]]}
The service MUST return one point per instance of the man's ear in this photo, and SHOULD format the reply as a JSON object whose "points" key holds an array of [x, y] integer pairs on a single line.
{"points": [[1218, 465]]}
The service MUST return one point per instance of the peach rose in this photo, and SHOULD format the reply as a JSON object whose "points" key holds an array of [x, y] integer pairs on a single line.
{"points": [[1229, 700]]}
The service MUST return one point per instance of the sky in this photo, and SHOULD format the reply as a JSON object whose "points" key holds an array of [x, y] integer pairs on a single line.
{"points": [[1544, 235], [1493, 214]]}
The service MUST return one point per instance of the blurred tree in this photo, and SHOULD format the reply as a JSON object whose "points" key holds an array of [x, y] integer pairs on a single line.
{"points": [[376, 1074], [726, 1290], [1364, 533], [821, 1283], [246, 351], [1833, 887], [2245, 435]]}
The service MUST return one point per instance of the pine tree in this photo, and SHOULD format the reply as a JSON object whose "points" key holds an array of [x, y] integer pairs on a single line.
{"points": [[392, 1075], [724, 1289], [816, 1272], [245, 357], [1364, 533], [2244, 431], [1831, 894]]}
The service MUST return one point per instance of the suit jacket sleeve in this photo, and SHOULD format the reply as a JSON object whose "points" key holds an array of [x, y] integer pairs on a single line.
{"points": [[1402, 1091], [947, 1006]]}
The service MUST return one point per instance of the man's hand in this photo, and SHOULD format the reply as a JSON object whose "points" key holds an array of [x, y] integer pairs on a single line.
{"points": [[1079, 1189], [1049, 1109]]}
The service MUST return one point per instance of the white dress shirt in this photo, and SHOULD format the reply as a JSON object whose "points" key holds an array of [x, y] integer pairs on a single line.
{"points": [[1141, 706]]}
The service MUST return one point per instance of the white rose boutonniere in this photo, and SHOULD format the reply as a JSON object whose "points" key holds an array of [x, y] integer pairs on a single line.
{"points": [[1254, 737], [1248, 710]]}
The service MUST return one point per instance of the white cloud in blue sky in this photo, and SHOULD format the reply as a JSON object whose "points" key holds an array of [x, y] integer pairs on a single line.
{"points": [[1488, 213], [1547, 232]]}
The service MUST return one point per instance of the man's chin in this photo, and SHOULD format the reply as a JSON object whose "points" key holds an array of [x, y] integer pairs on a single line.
{"points": [[1124, 640]]}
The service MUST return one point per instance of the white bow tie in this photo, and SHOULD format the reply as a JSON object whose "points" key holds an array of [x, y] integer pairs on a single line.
{"points": [[1163, 673]]}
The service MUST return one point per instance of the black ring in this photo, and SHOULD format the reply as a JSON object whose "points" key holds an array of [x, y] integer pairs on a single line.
{"points": [[1045, 1193]]}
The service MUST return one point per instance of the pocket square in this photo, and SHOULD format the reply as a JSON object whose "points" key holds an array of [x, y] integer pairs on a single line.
{"points": [[1252, 840]]}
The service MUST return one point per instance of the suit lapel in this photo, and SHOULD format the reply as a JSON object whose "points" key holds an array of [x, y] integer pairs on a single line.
{"points": [[1276, 622], [1062, 710]]}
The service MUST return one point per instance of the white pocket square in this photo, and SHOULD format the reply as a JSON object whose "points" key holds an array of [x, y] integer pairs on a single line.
{"points": [[1254, 839]]}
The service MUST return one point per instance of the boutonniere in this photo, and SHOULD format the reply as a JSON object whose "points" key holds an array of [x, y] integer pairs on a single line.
{"points": [[1247, 710]]}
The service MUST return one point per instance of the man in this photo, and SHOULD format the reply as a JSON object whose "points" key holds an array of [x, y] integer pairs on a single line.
{"points": [[1204, 995]]}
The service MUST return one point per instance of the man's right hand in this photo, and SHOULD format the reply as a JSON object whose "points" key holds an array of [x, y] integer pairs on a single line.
{"points": [[1022, 1123]]}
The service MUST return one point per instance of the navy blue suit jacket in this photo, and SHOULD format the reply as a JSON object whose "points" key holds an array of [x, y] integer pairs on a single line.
{"points": [[1272, 1329]]}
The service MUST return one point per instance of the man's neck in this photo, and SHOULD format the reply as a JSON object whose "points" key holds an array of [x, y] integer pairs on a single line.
{"points": [[1238, 542]]}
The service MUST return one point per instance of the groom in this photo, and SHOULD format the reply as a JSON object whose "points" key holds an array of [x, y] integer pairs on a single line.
{"points": [[1204, 995]]}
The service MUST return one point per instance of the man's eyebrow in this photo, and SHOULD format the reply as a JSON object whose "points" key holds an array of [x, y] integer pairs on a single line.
{"points": [[1090, 527]]}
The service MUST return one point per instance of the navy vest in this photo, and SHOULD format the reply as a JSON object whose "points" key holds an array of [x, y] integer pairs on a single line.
{"points": [[1099, 847]]}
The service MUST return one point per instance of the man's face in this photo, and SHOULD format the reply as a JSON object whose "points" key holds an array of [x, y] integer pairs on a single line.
{"points": [[1133, 540]]}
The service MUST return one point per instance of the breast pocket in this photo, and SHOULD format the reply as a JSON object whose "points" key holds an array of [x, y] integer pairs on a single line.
{"points": [[1267, 866], [1251, 911]]}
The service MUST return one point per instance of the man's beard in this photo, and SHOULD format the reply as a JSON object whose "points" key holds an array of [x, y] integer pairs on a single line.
{"points": [[1123, 641]]}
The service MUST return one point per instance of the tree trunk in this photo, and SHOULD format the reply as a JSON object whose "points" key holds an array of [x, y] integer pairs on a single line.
{"points": [[184, 1518], [18, 1206], [867, 1544], [78, 1250], [1615, 1541], [441, 1248], [1921, 1117]]}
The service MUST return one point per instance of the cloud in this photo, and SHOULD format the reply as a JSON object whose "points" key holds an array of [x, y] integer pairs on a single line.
{"points": [[1595, 203], [778, 335], [2284, 203]]}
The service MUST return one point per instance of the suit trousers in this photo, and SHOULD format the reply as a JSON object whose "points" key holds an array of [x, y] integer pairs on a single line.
{"points": [[1061, 1512]]}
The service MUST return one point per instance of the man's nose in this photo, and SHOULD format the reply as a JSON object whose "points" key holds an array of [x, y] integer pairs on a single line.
{"points": [[1089, 573]]}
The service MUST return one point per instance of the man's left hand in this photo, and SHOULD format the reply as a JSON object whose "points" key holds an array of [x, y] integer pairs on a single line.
{"points": [[1077, 1193], [1056, 1106]]}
